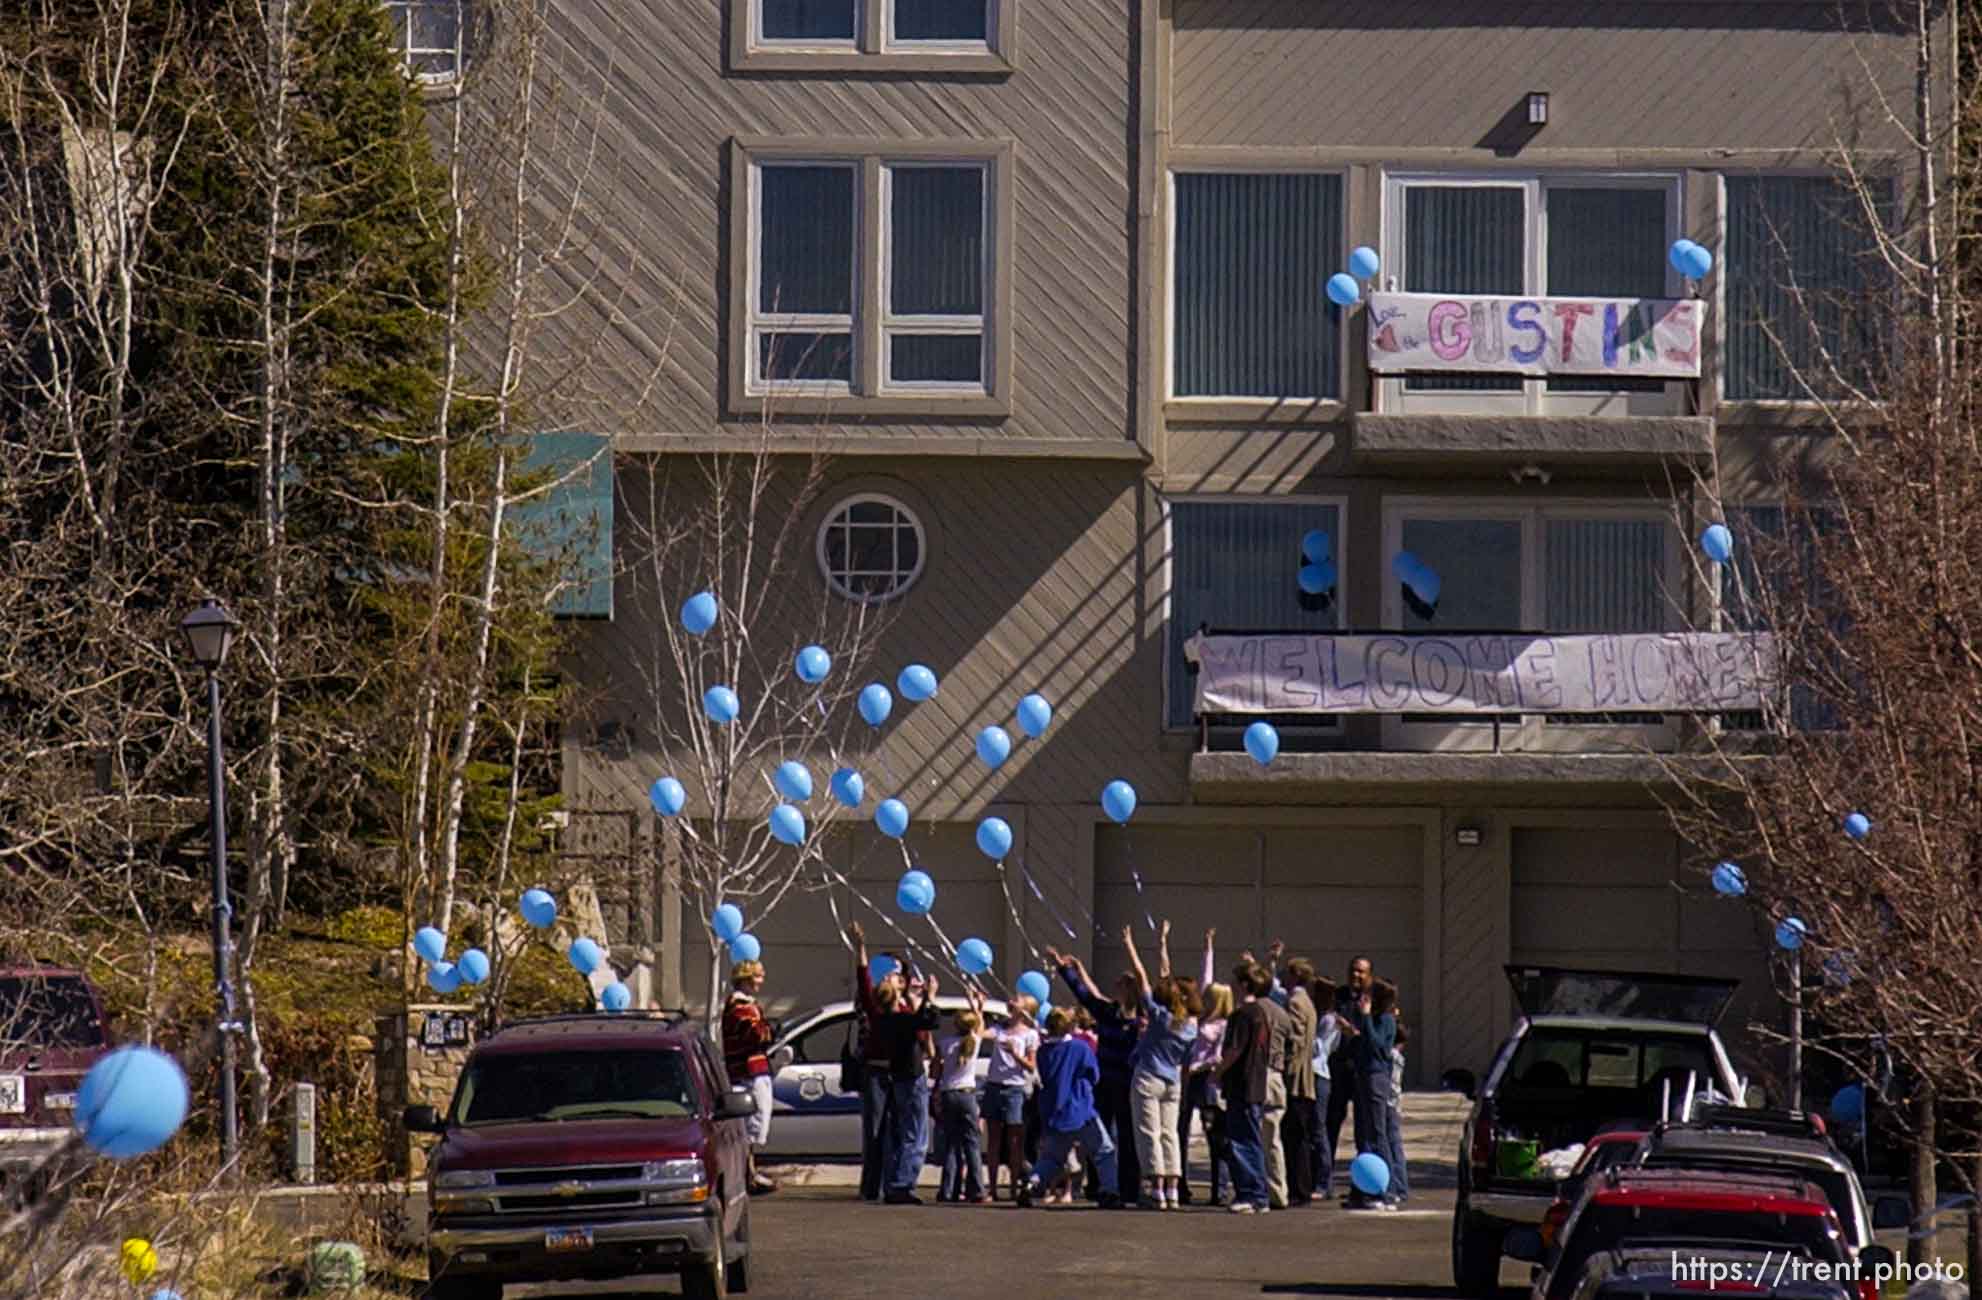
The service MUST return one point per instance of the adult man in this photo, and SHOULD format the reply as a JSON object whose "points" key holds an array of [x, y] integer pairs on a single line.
{"points": [[746, 1037], [1281, 1051], [1297, 1125], [1342, 1065], [1242, 1073]]}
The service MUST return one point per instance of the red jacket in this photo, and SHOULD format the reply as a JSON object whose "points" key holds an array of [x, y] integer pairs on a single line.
{"points": [[745, 1036]]}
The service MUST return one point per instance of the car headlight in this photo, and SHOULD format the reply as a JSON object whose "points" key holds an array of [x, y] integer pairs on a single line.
{"points": [[455, 1179], [676, 1173]]}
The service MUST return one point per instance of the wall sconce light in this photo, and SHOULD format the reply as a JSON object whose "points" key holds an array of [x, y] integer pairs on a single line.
{"points": [[1470, 837], [1538, 108]]}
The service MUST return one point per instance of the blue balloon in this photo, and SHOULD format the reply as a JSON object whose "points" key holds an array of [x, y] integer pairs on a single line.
{"points": [[1370, 1174], [667, 796], [726, 921], [539, 908], [1676, 255], [916, 893], [1316, 578], [916, 682], [812, 664], [166, 1293], [745, 947], [430, 943], [875, 704], [1699, 262], [994, 838], [891, 816], [994, 746], [721, 704], [1045, 1010], [1790, 933], [974, 956], [131, 1102], [473, 966], [616, 996], [1717, 542], [793, 781], [1418, 576], [444, 977], [1262, 742], [1730, 880], [1036, 986], [787, 825], [1317, 547], [1858, 826], [880, 966], [1364, 263], [848, 788], [1343, 290], [584, 956], [1034, 715], [698, 612], [1118, 800], [1848, 1103]]}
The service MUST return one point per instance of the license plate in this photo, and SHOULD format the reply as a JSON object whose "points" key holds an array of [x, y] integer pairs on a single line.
{"points": [[60, 1101], [560, 1240], [13, 1094]]}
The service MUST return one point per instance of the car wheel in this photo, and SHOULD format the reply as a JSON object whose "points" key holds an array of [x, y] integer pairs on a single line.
{"points": [[463, 1288], [1475, 1255], [707, 1279], [739, 1268]]}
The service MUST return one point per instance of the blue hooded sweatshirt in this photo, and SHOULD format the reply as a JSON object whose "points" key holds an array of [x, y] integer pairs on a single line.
{"points": [[1068, 1072]]}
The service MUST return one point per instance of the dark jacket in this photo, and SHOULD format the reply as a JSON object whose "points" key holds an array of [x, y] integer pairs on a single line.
{"points": [[1376, 1035], [1116, 1033], [902, 1040]]}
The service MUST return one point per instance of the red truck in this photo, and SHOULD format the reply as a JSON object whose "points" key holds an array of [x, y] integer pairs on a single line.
{"points": [[52, 1029]]}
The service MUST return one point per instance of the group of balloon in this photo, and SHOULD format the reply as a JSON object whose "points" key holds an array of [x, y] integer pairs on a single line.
{"points": [[1345, 288], [539, 911], [1730, 881]]}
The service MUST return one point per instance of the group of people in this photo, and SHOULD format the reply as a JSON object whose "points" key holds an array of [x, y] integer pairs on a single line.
{"points": [[1272, 1063]]}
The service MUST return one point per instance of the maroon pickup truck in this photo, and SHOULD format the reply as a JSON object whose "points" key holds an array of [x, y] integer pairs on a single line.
{"points": [[52, 1029], [588, 1147]]}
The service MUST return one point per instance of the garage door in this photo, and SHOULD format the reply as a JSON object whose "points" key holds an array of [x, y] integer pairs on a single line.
{"points": [[1609, 899], [1330, 892]]}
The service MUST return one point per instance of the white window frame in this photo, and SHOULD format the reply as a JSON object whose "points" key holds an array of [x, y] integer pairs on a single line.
{"points": [[1533, 397], [841, 507], [1340, 605], [892, 44], [1170, 393], [761, 322], [889, 42], [801, 45], [1532, 734], [893, 323], [401, 13]]}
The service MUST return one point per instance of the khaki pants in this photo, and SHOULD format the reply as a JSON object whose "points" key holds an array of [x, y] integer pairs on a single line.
{"points": [[1269, 1136], [1156, 1104]]}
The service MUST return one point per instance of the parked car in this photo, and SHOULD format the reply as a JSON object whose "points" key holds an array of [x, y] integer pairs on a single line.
{"points": [[52, 1029], [1668, 1274], [1605, 1151], [1592, 1049], [587, 1147], [1686, 1212], [811, 1114]]}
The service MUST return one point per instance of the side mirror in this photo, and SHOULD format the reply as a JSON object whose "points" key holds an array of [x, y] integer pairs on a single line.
{"points": [[1460, 1081], [423, 1119], [781, 1059], [1878, 1260], [1524, 1244], [1891, 1212], [737, 1104]]}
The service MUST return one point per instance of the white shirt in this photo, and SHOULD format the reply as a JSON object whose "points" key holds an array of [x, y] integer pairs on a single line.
{"points": [[959, 1072], [1328, 1032], [1009, 1048]]}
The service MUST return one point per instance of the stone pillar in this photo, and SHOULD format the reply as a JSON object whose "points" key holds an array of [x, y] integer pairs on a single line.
{"points": [[418, 1067]]}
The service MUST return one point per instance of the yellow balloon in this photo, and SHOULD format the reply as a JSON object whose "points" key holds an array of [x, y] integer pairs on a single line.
{"points": [[140, 1260]]}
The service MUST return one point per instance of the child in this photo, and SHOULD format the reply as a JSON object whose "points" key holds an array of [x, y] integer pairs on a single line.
{"points": [[958, 1150], [1068, 1071], [1007, 1085], [1400, 1174]]}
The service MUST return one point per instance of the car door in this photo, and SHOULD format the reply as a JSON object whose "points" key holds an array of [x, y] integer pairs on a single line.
{"points": [[811, 1113]]}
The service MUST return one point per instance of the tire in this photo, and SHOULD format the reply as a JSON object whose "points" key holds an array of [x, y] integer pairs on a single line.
{"points": [[1475, 1256], [463, 1288], [707, 1279], [739, 1268]]}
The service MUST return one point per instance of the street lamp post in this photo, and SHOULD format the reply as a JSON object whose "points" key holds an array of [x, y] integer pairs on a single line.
{"points": [[209, 632]]}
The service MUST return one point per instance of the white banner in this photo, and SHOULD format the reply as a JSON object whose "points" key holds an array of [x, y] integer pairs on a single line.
{"points": [[1649, 338], [1675, 672]]}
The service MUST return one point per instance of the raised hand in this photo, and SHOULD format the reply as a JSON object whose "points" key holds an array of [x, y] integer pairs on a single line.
{"points": [[855, 933], [1273, 952], [1053, 956], [1163, 930], [1128, 936]]}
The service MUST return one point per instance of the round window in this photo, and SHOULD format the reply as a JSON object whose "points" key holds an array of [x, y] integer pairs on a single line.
{"points": [[870, 548]]}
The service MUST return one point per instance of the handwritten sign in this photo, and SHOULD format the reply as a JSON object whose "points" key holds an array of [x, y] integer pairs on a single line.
{"points": [[1652, 672], [1647, 338]]}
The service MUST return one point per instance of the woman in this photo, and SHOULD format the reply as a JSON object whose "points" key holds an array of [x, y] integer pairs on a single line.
{"points": [[1156, 1082], [873, 1001], [1202, 1076], [746, 1038], [1007, 1084]]}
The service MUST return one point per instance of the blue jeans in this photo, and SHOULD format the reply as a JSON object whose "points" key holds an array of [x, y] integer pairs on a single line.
{"points": [[1400, 1173], [1248, 1156], [876, 1118], [1053, 1148], [908, 1135], [1372, 1119], [959, 1146], [1321, 1143], [1341, 1101]]}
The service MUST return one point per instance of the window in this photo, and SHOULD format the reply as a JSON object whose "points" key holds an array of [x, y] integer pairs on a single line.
{"points": [[428, 35], [1800, 264], [504, 1088], [872, 35], [1233, 567], [1563, 236], [1562, 568], [930, 327], [822, 1044], [1777, 561], [1248, 320], [871, 548]]}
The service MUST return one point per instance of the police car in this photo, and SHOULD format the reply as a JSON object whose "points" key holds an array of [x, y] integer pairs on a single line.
{"points": [[811, 1114]]}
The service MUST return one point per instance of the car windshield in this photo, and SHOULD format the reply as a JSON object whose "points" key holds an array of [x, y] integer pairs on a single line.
{"points": [[508, 1087], [55, 1011]]}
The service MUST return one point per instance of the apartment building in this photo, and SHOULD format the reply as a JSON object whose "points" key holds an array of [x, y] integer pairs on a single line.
{"points": [[1047, 276]]}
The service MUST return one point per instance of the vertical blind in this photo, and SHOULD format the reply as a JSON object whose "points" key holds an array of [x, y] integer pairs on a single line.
{"points": [[806, 234], [1478, 563], [1605, 243], [1252, 252], [1465, 239], [1233, 567], [937, 233], [1604, 575], [807, 20], [1807, 237], [941, 20]]}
